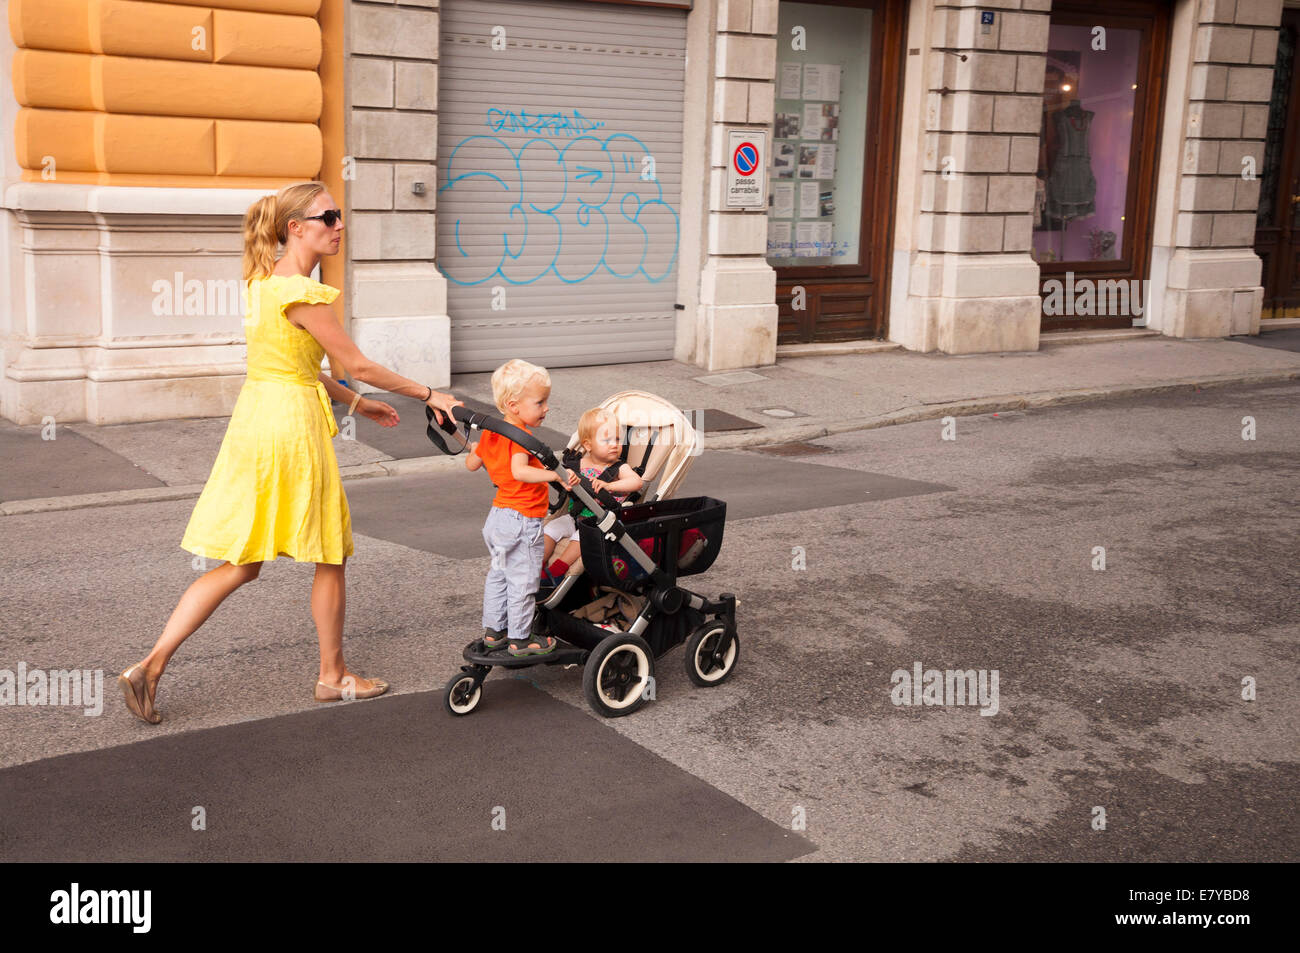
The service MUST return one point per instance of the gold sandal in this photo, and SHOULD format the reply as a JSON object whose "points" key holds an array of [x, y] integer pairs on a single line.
{"points": [[136, 694], [325, 692]]}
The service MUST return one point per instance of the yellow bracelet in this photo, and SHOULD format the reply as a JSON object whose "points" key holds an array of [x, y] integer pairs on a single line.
{"points": [[353, 405]]}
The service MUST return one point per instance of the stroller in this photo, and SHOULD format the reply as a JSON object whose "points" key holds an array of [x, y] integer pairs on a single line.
{"points": [[619, 608]]}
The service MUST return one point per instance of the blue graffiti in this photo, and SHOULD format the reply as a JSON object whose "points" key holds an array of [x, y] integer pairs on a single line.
{"points": [[541, 194], [557, 124]]}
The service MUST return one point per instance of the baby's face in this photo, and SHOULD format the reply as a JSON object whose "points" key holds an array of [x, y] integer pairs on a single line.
{"points": [[605, 445], [531, 406]]}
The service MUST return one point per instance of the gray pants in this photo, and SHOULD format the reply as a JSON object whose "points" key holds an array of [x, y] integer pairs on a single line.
{"points": [[516, 544]]}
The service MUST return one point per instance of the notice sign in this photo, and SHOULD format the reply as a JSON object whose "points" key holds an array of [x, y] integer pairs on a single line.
{"points": [[746, 185]]}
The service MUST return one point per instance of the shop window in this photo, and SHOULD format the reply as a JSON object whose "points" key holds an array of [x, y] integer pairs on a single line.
{"points": [[823, 72], [1090, 91]]}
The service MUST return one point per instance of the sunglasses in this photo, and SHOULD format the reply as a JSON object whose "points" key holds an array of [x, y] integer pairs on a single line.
{"points": [[329, 217]]}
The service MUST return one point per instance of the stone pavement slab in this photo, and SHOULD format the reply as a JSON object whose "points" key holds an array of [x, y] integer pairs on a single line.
{"points": [[389, 779], [32, 467], [447, 517]]}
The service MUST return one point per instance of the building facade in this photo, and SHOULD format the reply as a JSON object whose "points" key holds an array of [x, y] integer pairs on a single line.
{"points": [[591, 181]]}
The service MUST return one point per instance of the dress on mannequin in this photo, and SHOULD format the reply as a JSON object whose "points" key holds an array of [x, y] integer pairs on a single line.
{"points": [[1071, 186]]}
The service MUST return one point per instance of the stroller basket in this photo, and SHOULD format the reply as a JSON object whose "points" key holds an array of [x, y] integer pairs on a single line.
{"points": [[683, 537]]}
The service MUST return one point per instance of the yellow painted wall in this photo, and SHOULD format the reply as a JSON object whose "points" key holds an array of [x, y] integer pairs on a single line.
{"points": [[220, 93]]}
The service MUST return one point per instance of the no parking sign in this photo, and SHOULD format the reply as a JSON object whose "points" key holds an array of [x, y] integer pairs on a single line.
{"points": [[746, 171]]}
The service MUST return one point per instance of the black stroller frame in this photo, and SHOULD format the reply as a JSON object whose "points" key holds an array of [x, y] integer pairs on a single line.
{"points": [[618, 666]]}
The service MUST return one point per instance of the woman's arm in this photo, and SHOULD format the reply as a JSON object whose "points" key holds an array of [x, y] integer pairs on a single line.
{"points": [[319, 321], [336, 390]]}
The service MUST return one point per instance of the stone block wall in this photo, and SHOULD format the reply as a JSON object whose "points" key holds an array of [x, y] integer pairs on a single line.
{"points": [[735, 315], [1213, 279], [399, 298], [971, 282]]}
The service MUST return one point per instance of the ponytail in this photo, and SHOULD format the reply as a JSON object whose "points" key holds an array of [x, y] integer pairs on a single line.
{"points": [[260, 238], [266, 225]]}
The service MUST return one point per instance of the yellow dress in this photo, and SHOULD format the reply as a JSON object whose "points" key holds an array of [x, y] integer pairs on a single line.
{"points": [[275, 487]]}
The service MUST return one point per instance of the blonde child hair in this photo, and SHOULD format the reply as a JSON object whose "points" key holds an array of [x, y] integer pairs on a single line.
{"points": [[590, 422], [266, 225], [512, 378]]}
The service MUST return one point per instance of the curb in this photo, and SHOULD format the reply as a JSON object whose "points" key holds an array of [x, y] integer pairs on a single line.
{"points": [[986, 405], [769, 436]]}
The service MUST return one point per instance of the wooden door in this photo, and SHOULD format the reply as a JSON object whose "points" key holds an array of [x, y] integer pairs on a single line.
{"points": [[1144, 23], [1279, 194], [841, 302]]}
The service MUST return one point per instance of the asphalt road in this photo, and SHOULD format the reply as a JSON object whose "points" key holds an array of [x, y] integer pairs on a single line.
{"points": [[1119, 689]]}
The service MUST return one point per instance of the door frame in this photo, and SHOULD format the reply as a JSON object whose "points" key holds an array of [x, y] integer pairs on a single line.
{"points": [[1144, 164], [874, 269], [1288, 184]]}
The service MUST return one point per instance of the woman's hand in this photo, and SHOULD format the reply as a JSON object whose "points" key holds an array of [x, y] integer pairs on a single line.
{"points": [[442, 405], [378, 411]]}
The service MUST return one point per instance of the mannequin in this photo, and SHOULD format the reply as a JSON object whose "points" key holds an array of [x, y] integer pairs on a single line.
{"points": [[1071, 187]]}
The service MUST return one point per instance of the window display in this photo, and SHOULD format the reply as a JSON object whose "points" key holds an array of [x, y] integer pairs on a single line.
{"points": [[815, 181], [1090, 88]]}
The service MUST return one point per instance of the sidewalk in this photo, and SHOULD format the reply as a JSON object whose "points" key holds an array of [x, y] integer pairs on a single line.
{"points": [[796, 399]]}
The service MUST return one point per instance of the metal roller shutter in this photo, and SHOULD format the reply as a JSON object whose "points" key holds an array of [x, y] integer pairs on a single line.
{"points": [[545, 194]]}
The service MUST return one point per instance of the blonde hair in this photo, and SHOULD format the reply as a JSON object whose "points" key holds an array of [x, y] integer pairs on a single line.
{"points": [[590, 422], [266, 225], [512, 378]]}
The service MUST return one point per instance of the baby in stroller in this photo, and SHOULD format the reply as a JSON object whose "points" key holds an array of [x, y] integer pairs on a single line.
{"points": [[598, 459], [600, 463]]}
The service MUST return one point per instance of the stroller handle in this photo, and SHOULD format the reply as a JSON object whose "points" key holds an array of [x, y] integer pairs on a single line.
{"points": [[474, 420], [601, 504]]}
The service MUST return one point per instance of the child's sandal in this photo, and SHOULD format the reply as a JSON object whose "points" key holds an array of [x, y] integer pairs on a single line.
{"points": [[522, 647], [494, 639]]}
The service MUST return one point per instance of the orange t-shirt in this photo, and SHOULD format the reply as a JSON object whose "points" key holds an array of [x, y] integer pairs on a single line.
{"points": [[530, 499]]}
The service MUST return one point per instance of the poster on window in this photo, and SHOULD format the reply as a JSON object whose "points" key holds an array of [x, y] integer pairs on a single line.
{"points": [[808, 161], [786, 125], [785, 156], [821, 81], [824, 168], [809, 199], [781, 200], [779, 243], [820, 122], [791, 81]]}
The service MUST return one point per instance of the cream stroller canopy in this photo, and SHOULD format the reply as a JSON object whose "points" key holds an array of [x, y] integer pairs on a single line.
{"points": [[660, 444], [647, 422]]}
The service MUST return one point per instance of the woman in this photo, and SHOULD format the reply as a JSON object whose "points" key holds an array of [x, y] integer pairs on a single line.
{"points": [[275, 487]]}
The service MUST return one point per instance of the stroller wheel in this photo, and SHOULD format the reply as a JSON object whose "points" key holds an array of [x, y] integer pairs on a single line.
{"points": [[618, 675], [703, 667], [462, 694]]}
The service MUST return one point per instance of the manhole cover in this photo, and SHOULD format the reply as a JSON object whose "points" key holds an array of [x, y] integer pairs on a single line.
{"points": [[731, 377]]}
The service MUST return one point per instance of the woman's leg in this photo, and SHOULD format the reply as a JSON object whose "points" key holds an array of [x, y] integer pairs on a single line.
{"points": [[328, 605], [199, 601]]}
